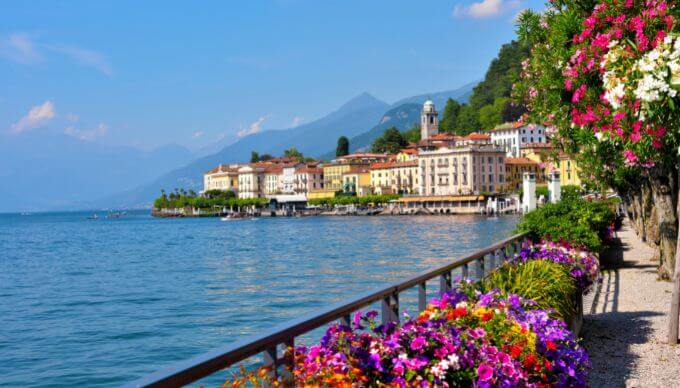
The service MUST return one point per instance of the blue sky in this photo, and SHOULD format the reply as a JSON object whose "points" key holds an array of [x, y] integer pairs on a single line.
{"points": [[151, 73]]}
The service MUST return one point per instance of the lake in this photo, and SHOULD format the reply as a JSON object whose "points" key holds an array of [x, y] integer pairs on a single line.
{"points": [[103, 302]]}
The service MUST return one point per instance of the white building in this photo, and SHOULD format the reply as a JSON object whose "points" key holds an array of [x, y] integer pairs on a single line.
{"points": [[451, 165], [513, 136], [429, 121], [308, 178], [251, 181], [288, 178]]}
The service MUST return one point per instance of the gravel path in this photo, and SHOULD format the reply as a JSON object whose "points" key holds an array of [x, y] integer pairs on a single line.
{"points": [[624, 327]]}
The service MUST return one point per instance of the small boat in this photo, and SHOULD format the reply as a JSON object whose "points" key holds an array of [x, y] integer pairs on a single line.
{"points": [[93, 217]]}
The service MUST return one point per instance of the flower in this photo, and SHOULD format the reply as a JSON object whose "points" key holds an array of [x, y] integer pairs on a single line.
{"points": [[484, 372]]}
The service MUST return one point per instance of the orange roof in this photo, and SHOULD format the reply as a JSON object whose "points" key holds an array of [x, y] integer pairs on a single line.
{"points": [[309, 170], [383, 165], [223, 168], [520, 161], [356, 170], [478, 136], [363, 155], [274, 169], [537, 145], [409, 151]]}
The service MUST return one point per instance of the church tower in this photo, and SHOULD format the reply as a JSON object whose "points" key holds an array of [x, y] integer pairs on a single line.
{"points": [[429, 121]]}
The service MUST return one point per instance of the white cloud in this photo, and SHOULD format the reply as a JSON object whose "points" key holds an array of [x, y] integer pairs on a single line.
{"points": [[90, 134], [197, 134], [19, 47], [37, 116], [253, 128], [84, 57], [485, 8], [23, 48], [297, 120]]}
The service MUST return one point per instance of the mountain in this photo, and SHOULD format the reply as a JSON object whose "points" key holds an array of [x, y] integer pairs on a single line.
{"points": [[403, 117], [461, 94], [45, 171], [313, 138], [403, 114]]}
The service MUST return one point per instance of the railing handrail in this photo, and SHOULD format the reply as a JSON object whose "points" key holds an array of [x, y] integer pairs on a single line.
{"points": [[195, 368]]}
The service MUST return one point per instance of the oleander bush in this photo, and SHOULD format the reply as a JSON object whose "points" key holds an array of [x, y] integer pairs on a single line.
{"points": [[586, 224]]}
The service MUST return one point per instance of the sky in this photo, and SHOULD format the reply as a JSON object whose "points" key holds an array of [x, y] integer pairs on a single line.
{"points": [[149, 73]]}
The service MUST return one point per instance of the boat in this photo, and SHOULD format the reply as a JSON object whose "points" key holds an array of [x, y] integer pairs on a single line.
{"points": [[93, 217]]}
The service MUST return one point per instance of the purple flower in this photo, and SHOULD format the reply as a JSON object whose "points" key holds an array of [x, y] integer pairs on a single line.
{"points": [[418, 343]]}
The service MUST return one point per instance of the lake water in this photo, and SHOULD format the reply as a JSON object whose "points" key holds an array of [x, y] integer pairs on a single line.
{"points": [[102, 302]]}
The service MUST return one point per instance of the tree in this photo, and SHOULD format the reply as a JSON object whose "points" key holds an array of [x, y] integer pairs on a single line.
{"points": [[466, 121], [412, 135], [254, 157], [492, 114], [265, 157], [448, 123], [391, 142], [343, 146], [292, 152]]}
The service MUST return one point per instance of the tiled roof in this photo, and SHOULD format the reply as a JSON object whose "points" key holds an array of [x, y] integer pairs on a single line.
{"points": [[363, 155], [309, 170], [223, 168], [520, 161], [478, 136], [384, 165], [537, 145]]}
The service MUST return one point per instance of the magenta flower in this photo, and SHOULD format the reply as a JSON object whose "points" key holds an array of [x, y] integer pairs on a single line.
{"points": [[418, 343], [484, 372]]}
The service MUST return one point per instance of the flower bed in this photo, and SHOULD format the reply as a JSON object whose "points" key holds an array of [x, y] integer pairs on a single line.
{"points": [[465, 337]]}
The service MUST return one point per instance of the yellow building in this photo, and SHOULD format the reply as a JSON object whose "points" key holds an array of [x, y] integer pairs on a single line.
{"points": [[357, 180], [544, 154], [222, 177], [321, 194], [516, 167], [395, 177], [332, 176], [569, 171]]}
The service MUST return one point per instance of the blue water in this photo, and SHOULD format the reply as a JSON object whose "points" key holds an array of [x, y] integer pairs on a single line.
{"points": [[102, 302]]}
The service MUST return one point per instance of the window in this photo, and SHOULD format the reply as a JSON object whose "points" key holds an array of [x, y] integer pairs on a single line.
{"points": [[490, 178], [490, 159]]}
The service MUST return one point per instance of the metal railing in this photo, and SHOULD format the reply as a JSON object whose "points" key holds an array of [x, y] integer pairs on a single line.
{"points": [[475, 265]]}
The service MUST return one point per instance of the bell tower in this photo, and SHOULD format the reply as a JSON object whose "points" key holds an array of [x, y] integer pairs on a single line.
{"points": [[429, 121]]}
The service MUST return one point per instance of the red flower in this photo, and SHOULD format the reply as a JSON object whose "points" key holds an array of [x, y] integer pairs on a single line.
{"points": [[515, 351], [551, 345], [529, 361]]}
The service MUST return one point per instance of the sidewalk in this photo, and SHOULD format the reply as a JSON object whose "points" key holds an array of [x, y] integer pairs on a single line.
{"points": [[625, 320]]}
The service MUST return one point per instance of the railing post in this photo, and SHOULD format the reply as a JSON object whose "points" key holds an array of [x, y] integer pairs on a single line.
{"points": [[445, 282], [478, 268], [464, 271], [270, 356], [488, 263], [500, 258], [346, 320], [390, 308], [422, 296], [289, 356]]}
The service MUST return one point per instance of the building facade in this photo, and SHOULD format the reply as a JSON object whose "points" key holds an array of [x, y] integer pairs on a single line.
{"points": [[512, 137], [222, 177], [251, 181], [308, 179], [399, 177], [515, 169], [357, 180]]}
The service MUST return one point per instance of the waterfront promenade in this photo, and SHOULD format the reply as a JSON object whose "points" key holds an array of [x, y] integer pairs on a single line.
{"points": [[626, 321]]}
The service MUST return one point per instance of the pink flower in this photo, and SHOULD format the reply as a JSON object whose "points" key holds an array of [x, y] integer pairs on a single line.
{"points": [[418, 343], [484, 372], [568, 84], [631, 158]]}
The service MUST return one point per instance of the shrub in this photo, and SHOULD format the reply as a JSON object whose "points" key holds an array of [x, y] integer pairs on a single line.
{"points": [[583, 223], [547, 283]]}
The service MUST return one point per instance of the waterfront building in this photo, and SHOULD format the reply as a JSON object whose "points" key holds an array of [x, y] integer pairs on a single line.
{"points": [[307, 179], [512, 137], [357, 180], [288, 177], [568, 169], [251, 179], [397, 177], [332, 172], [429, 121], [515, 169], [453, 165], [222, 177], [273, 179]]}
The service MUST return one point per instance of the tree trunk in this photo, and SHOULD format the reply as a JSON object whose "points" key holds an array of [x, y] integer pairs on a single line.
{"points": [[663, 185], [674, 317]]}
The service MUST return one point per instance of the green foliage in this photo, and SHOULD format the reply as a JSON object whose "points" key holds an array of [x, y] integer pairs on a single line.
{"points": [[492, 114], [343, 147], [390, 142], [292, 152], [582, 223], [450, 117], [412, 135], [353, 200], [467, 121], [254, 157], [547, 283], [211, 200]]}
